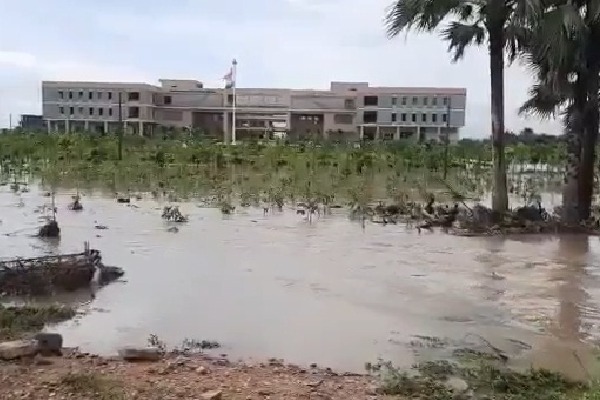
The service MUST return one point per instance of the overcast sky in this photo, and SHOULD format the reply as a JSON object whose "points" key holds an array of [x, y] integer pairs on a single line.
{"points": [[278, 43]]}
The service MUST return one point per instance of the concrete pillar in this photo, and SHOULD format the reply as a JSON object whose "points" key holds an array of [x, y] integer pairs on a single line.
{"points": [[105, 126], [377, 137], [418, 133], [49, 126], [397, 134], [361, 132], [124, 127], [67, 126], [86, 126], [141, 128], [439, 134]]}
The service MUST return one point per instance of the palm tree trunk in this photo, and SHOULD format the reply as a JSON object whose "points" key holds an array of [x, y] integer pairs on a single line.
{"points": [[588, 156], [575, 133], [592, 117], [499, 193]]}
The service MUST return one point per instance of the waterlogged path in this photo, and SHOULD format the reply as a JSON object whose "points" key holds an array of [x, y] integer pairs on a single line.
{"points": [[327, 292]]}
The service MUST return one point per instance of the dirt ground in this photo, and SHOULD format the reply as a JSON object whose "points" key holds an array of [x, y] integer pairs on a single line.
{"points": [[83, 376]]}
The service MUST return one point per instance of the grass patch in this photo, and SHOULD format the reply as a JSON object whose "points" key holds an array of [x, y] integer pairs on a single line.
{"points": [[18, 321], [443, 380], [92, 386]]}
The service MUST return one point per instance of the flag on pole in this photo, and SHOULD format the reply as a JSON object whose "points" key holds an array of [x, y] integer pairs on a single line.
{"points": [[229, 79]]}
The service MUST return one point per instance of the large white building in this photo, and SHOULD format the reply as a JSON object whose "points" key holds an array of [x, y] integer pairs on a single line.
{"points": [[347, 111]]}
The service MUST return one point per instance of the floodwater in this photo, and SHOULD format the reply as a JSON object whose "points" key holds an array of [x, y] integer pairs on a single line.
{"points": [[326, 292]]}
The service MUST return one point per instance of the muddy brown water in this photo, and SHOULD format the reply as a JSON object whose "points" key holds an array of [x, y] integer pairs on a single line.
{"points": [[326, 292]]}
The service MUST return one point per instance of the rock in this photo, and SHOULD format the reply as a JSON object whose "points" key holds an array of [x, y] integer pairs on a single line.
{"points": [[212, 395], [457, 385], [202, 370], [49, 343], [17, 349], [140, 354]]}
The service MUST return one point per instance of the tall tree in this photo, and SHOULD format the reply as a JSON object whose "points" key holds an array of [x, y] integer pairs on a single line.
{"points": [[500, 24], [563, 50]]}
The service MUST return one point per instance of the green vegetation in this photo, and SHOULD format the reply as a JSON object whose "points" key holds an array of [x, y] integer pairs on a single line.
{"points": [[18, 321], [443, 380], [254, 172]]}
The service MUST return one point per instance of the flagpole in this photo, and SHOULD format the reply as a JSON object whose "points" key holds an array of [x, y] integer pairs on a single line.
{"points": [[233, 103]]}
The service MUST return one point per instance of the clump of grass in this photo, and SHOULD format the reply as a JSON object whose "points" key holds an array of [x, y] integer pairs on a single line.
{"points": [[18, 321], [430, 380], [92, 385]]}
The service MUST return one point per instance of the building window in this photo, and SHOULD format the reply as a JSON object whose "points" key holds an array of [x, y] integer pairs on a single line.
{"points": [[370, 117], [445, 101], [433, 117], [371, 101], [61, 94], [133, 96], [415, 101], [302, 118], [434, 101], [110, 112], [404, 100], [91, 110], [414, 117], [425, 101], [444, 118], [134, 112], [80, 110], [71, 110], [394, 117], [315, 118], [394, 101], [230, 98], [70, 95], [424, 117], [110, 95], [61, 110], [80, 95], [101, 111], [349, 103], [342, 119], [167, 100], [403, 117], [90, 95], [99, 95]]}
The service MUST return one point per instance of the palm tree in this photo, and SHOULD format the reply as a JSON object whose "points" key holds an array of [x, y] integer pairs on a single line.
{"points": [[562, 50], [500, 24]]}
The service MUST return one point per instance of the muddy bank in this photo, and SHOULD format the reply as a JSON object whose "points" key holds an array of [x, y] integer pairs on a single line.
{"points": [[176, 377]]}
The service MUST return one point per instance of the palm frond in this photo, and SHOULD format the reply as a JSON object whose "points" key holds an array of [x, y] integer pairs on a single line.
{"points": [[420, 15], [460, 36]]}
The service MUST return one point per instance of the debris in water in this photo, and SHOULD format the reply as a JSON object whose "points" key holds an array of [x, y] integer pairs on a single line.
{"points": [[42, 275], [172, 213]]}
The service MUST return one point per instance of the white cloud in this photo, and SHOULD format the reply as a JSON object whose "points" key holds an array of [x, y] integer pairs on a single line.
{"points": [[16, 59]]}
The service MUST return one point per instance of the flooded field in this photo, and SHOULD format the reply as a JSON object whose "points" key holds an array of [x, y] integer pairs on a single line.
{"points": [[327, 292]]}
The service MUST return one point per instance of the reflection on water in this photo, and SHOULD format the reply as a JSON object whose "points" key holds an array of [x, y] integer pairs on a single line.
{"points": [[327, 292]]}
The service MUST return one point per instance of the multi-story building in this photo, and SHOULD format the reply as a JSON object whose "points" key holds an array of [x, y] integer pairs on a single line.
{"points": [[347, 111]]}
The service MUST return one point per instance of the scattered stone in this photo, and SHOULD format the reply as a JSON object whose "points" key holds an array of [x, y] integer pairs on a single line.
{"points": [[212, 395], [140, 354], [17, 349], [49, 343], [202, 370], [457, 385]]}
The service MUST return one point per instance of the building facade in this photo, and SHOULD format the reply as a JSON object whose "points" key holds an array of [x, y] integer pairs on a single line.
{"points": [[348, 111], [32, 122]]}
